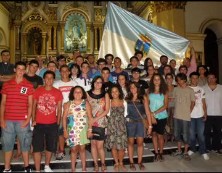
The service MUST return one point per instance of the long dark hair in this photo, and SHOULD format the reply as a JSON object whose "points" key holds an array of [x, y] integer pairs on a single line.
{"points": [[163, 85], [93, 82], [121, 96], [140, 92]]}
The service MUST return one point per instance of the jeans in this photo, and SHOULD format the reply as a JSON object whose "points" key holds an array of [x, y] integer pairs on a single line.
{"points": [[213, 132], [197, 127], [13, 129], [181, 128]]}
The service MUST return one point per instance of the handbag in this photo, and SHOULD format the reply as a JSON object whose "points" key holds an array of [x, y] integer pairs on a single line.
{"points": [[144, 120]]}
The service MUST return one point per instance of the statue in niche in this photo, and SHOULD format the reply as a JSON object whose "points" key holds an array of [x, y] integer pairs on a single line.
{"points": [[34, 42], [75, 33], [37, 44]]}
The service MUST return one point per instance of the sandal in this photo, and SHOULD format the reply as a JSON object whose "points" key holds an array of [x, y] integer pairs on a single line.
{"points": [[156, 157], [103, 167], [186, 157], [116, 167], [132, 167], [141, 166], [122, 167], [96, 167], [161, 157]]}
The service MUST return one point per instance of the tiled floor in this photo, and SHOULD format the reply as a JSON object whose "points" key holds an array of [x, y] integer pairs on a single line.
{"points": [[171, 164]]}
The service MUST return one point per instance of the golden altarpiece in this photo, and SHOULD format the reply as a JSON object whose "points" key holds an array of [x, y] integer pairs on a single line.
{"points": [[59, 27]]}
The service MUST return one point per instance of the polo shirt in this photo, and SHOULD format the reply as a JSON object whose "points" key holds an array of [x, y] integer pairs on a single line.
{"points": [[16, 106]]}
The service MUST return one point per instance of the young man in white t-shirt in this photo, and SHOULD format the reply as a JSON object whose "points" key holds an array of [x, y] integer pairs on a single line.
{"points": [[198, 118], [64, 85]]}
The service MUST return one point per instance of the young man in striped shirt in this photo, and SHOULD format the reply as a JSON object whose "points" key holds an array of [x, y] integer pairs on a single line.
{"points": [[16, 108]]}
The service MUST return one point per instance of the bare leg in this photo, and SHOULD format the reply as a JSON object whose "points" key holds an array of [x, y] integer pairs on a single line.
{"points": [[61, 143], [140, 148], [179, 144], [74, 152], [100, 149], [8, 156], [18, 152], [83, 157], [25, 156], [48, 156], [37, 160], [186, 146], [155, 144], [115, 157], [94, 154], [161, 142], [121, 154], [131, 148]]}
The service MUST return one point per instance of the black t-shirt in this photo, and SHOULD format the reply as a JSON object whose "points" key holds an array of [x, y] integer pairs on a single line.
{"points": [[143, 85], [107, 85], [35, 80]]}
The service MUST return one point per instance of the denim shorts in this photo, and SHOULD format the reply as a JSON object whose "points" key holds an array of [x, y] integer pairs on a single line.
{"points": [[182, 130], [135, 129], [13, 129]]}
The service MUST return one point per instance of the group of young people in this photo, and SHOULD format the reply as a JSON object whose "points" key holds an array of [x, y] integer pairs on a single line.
{"points": [[103, 105]]}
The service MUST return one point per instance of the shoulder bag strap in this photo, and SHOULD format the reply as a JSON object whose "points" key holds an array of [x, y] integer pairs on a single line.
{"points": [[138, 110]]}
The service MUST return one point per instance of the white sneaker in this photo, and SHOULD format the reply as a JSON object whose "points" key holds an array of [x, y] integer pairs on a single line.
{"points": [[205, 156], [190, 152], [47, 169]]}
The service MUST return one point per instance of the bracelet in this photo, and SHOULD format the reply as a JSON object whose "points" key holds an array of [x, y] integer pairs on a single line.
{"points": [[150, 127], [89, 130]]}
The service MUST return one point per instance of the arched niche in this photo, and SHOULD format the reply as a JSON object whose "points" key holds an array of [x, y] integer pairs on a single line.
{"points": [[215, 25], [75, 31]]}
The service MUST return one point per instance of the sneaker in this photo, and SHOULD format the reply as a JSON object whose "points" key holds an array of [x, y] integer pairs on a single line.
{"points": [[190, 152], [27, 169], [47, 169], [219, 152], [60, 156], [177, 153], [186, 157], [205, 156], [145, 147], [7, 170]]}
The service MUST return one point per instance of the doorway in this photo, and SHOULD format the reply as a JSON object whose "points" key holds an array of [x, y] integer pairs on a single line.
{"points": [[211, 52]]}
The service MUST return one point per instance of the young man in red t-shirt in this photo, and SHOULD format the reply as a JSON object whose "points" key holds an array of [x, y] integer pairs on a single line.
{"points": [[16, 109], [46, 115]]}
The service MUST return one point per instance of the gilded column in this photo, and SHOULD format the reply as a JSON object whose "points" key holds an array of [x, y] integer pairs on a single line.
{"points": [[49, 40], [100, 33], [95, 39], [24, 40], [62, 36], [43, 43], [58, 38], [17, 28], [88, 37], [55, 38]]}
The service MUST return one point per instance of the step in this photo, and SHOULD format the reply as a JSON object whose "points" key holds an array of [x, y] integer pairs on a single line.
{"points": [[66, 163]]}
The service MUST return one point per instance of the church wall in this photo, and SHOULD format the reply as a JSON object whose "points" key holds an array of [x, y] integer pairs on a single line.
{"points": [[198, 17], [4, 28], [198, 12]]}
